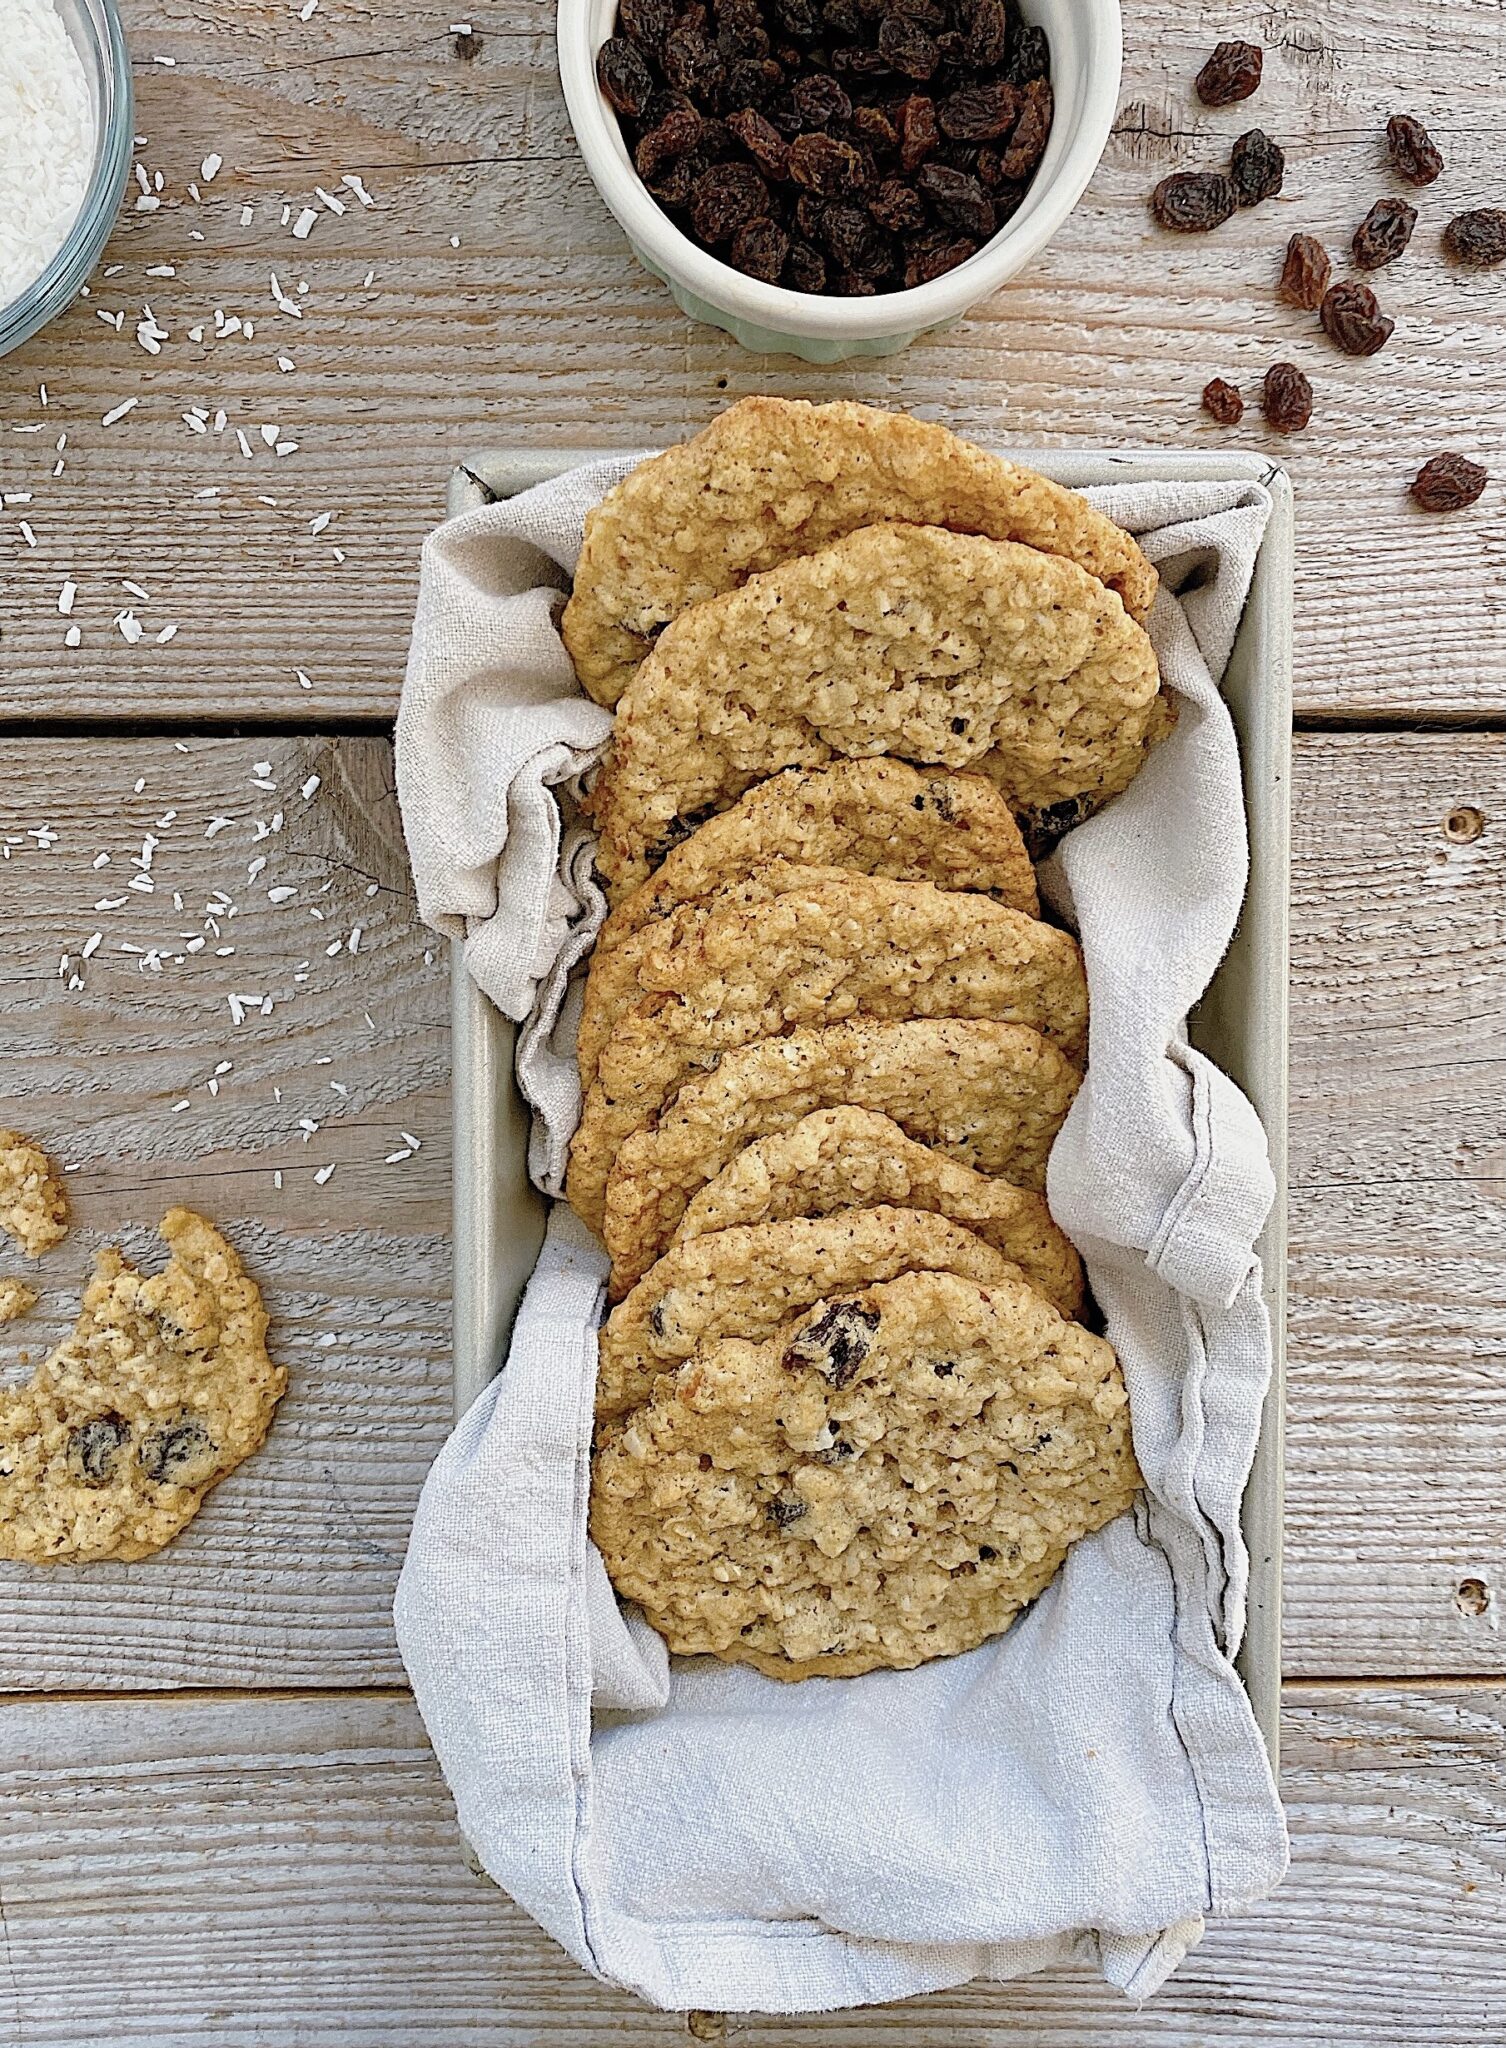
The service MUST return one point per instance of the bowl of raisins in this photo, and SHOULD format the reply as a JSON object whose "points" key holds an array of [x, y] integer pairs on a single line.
{"points": [[834, 178]]}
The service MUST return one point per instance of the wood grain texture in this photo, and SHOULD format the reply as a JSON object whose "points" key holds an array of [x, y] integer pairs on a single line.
{"points": [[1397, 1413], [539, 328], [287, 1871], [287, 1572]]}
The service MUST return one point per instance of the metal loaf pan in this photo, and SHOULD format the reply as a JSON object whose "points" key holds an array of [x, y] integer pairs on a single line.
{"points": [[1241, 1023]]}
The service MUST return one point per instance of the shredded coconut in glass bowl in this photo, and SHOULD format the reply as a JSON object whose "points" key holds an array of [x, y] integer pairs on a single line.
{"points": [[46, 140]]}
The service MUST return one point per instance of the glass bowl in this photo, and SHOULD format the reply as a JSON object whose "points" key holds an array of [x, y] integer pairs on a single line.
{"points": [[100, 41]]}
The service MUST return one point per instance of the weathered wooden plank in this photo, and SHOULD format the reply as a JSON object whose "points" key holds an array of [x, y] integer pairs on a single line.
{"points": [[286, 1575], [1397, 1412], [539, 328], [1397, 1408], [287, 1871]]}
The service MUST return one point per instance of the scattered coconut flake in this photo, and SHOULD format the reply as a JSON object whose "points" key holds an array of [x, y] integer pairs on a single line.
{"points": [[303, 227], [66, 596], [282, 894], [277, 1177], [318, 523], [307, 789], [169, 632], [324, 1174], [353, 184], [209, 170], [130, 627], [286, 363], [248, 214], [181, 1103], [303, 681], [26, 533], [335, 205], [118, 412]]}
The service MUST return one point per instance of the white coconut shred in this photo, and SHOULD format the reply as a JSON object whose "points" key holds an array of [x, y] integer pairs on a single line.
{"points": [[46, 140]]}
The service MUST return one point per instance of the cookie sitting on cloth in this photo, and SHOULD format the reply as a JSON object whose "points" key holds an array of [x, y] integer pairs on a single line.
{"points": [[1087, 1787]]}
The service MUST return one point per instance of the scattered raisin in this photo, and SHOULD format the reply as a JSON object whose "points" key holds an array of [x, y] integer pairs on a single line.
{"points": [[1305, 273], [724, 198], [1256, 167], [822, 164], [1224, 402], [1448, 483], [1191, 202], [980, 113], [1231, 73], [905, 47], [1353, 321], [1287, 398], [1477, 238], [760, 248], [958, 198], [622, 73], [1384, 233], [1414, 154]]}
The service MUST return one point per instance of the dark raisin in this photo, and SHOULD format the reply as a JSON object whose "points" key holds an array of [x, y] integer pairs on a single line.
{"points": [[1305, 273], [986, 1553], [694, 65], [1032, 132], [1191, 202], [1223, 401], [959, 199], [1043, 828], [906, 47], [674, 138], [944, 1368], [467, 45], [760, 249], [1287, 400], [836, 1343], [1353, 321], [897, 207], [782, 1512], [918, 132], [1029, 56], [177, 1455], [763, 142], [800, 19], [1256, 166], [1448, 483], [724, 198], [933, 256], [1477, 238], [1414, 154], [752, 81], [622, 73], [94, 1447], [985, 34], [979, 113], [1231, 73], [822, 164], [805, 268], [856, 243], [843, 20], [646, 22], [1384, 233], [822, 100], [872, 126], [860, 63]]}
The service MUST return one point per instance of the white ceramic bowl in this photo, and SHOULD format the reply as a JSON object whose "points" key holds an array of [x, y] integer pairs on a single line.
{"points": [[1086, 50]]}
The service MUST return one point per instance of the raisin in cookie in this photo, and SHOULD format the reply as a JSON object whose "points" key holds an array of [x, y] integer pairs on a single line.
{"points": [[772, 478], [874, 817], [938, 647], [992, 1095], [744, 1283], [33, 1206], [891, 1478], [163, 1387], [848, 1158]]}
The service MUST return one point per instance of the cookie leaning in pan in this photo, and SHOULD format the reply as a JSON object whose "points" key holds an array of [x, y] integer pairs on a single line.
{"points": [[992, 1095], [858, 946], [744, 1283], [847, 1158], [162, 1388], [874, 817], [771, 478], [891, 1478], [795, 944], [938, 647]]}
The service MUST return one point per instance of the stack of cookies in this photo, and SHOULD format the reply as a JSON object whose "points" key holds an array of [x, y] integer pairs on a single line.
{"points": [[848, 1416]]}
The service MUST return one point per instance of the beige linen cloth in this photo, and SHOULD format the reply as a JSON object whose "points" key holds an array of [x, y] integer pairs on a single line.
{"points": [[1092, 1785]]}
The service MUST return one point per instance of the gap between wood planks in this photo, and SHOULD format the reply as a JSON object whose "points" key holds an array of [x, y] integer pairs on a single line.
{"points": [[220, 1695], [379, 725]]}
